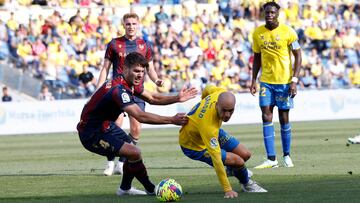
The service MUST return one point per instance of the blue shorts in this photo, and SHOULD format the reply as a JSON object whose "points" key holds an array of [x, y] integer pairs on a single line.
{"points": [[275, 95], [227, 144], [106, 143]]}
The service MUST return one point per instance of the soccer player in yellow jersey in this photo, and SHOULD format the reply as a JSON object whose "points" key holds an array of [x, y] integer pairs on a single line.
{"points": [[272, 45], [202, 139]]}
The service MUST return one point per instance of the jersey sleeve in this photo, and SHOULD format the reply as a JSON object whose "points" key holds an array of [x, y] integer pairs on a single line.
{"points": [[122, 97], [292, 36], [109, 52], [209, 89], [149, 55], [255, 45], [209, 135]]}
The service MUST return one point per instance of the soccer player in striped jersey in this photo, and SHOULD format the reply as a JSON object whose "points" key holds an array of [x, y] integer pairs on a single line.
{"points": [[115, 54], [273, 44], [99, 134]]}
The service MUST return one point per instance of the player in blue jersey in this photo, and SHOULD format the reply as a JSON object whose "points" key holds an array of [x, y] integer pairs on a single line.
{"points": [[272, 45], [115, 54], [99, 134]]}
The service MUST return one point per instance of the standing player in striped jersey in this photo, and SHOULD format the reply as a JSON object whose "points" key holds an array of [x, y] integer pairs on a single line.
{"points": [[115, 54], [99, 134], [272, 45]]}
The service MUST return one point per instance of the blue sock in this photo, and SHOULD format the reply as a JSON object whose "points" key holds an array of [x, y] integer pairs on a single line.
{"points": [[286, 138], [269, 138], [241, 174]]}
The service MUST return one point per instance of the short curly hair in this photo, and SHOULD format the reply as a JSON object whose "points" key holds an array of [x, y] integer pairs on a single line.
{"points": [[271, 3]]}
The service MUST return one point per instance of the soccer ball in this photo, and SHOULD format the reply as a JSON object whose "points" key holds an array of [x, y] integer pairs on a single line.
{"points": [[168, 190]]}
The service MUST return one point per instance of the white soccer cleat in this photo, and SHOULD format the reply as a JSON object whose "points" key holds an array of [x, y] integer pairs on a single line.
{"points": [[252, 186], [268, 164], [131, 191], [354, 140], [288, 162], [250, 173], [119, 168], [109, 170]]}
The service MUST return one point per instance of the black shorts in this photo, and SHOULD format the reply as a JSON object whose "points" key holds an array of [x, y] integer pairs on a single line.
{"points": [[106, 143]]}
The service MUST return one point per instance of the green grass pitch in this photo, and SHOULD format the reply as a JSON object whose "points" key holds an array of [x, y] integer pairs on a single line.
{"points": [[56, 168]]}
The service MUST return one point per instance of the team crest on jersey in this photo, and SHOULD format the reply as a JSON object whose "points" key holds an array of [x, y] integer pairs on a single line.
{"points": [[277, 38], [141, 46], [125, 97], [120, 46], [213, 142]]}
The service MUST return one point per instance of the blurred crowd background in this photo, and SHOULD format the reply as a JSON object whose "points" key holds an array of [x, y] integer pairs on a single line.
{"points": [[62, 42]]}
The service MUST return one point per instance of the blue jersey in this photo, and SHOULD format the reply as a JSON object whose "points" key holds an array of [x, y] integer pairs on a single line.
{"points": [[106, 104], [118, 48]]}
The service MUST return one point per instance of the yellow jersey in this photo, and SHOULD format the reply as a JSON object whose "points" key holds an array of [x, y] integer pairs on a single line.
{"points": [[202, 131], [275, 49]]}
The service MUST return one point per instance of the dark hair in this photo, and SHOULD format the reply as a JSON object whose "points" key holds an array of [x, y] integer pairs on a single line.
{"points": [[134, 58], [271, 3]]}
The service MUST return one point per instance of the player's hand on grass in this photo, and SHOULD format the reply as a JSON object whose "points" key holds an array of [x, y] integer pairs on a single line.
{"points": [[253, 89], [292, 90], [159, 83], [231, 194], [180, 119], [187, 93]]}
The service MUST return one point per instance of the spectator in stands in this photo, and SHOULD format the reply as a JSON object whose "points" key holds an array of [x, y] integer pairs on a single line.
{"points": [[45, 95], [6, 96], [161, 16], [87, 82]]}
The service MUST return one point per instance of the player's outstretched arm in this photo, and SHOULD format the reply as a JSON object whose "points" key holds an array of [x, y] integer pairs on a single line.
{"points": [[255, 71], [150, 118], [159, 99]]}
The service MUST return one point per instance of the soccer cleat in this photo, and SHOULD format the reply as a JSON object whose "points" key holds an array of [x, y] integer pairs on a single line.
{"points": [[250, 173], [109, 170], [252, 186], [287, 161], [150, 193], [119, 168], [131, 191], [268, 164], [354, 140]]}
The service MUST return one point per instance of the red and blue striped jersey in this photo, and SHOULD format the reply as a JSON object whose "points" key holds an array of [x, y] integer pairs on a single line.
{"points": [[118, 48], [106, 104]]}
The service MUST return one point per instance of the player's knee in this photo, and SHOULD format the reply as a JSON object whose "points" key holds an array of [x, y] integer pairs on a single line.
{"points": [[267, 117], [246, 156], [133, 153]]}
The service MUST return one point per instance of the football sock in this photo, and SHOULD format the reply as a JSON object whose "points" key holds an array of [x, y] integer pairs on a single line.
{"points": [[110, 158], [137, 169], [241, 174], [122, 159], [133, 140], [127, 178], [286, 138], [269, 139]]}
